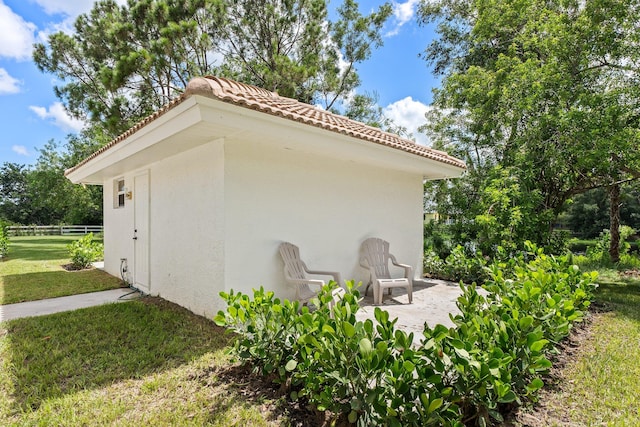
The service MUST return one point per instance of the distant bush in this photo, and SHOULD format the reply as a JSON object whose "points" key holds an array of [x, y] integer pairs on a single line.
{"points": [[4, 240], [460, 265], [597, 254], [558, 242], [84, 251]]}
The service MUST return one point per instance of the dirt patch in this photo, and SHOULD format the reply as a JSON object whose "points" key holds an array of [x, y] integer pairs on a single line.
{"points": [[634, 274], [73, 267], [273, 398]]}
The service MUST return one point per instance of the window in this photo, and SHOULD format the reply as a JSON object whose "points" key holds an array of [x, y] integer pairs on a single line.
{"points": [[119, 193]]}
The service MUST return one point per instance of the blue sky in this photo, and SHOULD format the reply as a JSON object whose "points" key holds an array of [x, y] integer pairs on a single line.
{"points": [[31, 115]]}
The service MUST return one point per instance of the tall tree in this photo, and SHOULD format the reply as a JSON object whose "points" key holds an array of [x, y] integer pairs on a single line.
{"points": [[14, 199], [545, 89], [123, 62]]}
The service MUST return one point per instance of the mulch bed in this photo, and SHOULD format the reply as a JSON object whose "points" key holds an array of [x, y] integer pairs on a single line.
{"points": [[544, 412], [72, 267]]}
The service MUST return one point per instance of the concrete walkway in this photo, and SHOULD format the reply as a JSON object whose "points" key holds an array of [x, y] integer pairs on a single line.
{"points": [[433, 301], [56, 305]]}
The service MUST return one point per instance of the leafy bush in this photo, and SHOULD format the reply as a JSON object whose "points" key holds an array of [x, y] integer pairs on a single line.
{"points": [[459, 265], [437, 238], [4, 240], [598, 254], [369, 373], [84, 251], [558, 242]]}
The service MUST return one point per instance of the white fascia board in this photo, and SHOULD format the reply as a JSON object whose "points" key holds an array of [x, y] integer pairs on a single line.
{"points": [[128, 153], [288, 134], [199, 119]]}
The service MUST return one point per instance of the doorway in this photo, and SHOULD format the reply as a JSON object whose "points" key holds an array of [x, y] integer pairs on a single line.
{"points": [[141, 231]]}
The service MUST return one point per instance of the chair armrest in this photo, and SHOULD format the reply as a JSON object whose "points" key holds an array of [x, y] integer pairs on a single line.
{"points": [[334, 274], [408, 270], [306, 282]]}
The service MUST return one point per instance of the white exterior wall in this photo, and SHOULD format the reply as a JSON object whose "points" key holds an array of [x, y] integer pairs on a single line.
{"points": [[219, 211], [325, 206], [186, 222], [118, 230], [187, 228]]}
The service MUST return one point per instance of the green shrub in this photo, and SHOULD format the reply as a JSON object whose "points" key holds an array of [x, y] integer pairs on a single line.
{"points": [[4, 240], [459, 265], [495, 355], [437, 238], [84, 251], [598, 254], [558, 242], [369, 373]]}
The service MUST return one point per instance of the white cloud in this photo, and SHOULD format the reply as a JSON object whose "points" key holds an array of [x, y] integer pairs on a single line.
{"points": [[20, 149], [16, 36], [402, 13], [7, 83], [409, 114], [67, 7], [70, 8], [59, 117]]}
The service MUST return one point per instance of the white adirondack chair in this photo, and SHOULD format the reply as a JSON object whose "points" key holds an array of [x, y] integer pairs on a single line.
{"points": [[375, 257], [296, 273]]}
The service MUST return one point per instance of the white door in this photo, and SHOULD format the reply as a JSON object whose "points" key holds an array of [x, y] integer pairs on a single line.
{"points": [[141, 231]]}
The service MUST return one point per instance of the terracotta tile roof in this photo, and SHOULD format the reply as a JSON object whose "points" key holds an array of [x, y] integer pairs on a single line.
{"points": [[265, 101], [271, 103]]}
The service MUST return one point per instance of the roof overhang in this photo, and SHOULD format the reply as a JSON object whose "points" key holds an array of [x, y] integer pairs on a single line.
{"points": [[196, 120]]}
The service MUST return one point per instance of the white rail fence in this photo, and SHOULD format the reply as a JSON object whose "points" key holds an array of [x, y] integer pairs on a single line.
{"points": [[50, 230]]}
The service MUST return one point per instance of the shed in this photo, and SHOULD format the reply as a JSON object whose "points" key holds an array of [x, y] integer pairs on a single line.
{"points": [[199, 195]]}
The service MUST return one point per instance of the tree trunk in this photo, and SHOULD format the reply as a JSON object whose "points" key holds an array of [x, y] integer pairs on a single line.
{"points": [[614, 216]]}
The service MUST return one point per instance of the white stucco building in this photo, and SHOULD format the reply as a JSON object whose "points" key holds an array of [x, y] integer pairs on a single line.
{"points": [[198, 196]]}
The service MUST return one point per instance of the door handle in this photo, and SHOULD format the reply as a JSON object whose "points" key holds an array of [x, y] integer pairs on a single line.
{"points": [[135, 234]]}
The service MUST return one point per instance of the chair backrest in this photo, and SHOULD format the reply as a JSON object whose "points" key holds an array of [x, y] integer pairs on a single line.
{"points": [[293, 265], [375, 253]]}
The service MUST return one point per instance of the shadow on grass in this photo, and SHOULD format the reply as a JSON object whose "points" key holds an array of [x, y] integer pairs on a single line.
{"points": [[623, 297], [52, 284], [52, 356]]}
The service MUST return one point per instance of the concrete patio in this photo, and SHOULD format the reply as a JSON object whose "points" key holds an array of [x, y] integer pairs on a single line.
{"points": [[433, 301]]}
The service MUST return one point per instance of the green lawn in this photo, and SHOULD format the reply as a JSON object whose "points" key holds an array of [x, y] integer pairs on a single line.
{"points": [[600, 384], [149, 362], [143, 362], [33, 270]]}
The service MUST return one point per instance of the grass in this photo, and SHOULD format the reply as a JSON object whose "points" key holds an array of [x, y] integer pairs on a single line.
{"points": [[600, 384], [144, 362], [150, 362], [33, 270]]}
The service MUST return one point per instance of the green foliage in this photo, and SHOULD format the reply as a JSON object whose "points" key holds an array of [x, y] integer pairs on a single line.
{"points": [[41, 195], [14, 197], [497, 352], [459, 265], [538, 119], [4, 240], [370, 373], [491, 207], [437, 238], [123, 62], [598, 254], [84, 251], [558, 242]]}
